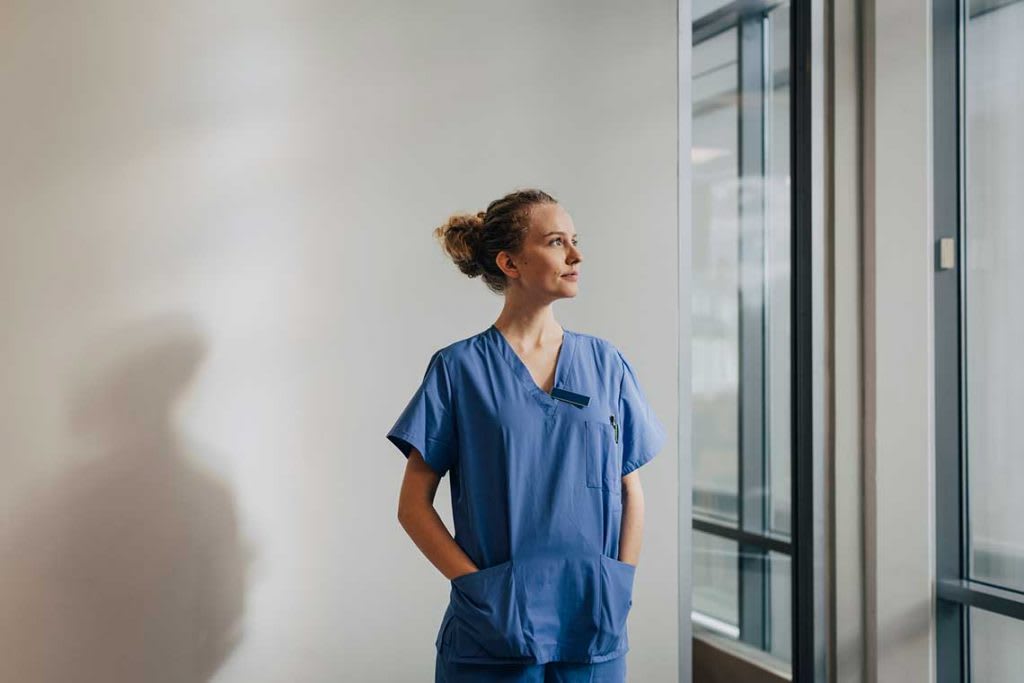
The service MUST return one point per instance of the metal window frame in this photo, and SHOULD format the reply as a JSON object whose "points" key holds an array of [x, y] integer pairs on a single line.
{"points": [[811, 563], [951, 627], [955, 592], [684, 184]]}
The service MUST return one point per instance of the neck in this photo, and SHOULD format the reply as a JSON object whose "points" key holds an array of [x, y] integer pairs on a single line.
{"points": [[534, 326]]}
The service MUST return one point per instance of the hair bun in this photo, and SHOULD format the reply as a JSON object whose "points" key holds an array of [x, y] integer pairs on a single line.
{"points": [[458, 236]]}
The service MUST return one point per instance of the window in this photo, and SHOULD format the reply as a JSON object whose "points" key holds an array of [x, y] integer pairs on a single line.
{"points": [[979, 325], [742, 326]]}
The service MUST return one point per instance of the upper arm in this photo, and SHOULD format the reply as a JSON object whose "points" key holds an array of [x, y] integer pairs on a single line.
{"points": [[427, 424], [420, 482], [631, 483], [643, 435]]}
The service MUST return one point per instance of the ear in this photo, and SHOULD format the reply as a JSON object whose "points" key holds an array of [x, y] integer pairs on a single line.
{"points": [[506, 264]]}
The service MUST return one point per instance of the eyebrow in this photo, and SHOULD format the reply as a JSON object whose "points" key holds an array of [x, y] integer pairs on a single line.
{"points": [[560, 232]]}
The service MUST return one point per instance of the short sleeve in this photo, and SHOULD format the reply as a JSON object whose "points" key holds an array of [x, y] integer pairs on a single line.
{"points": [[427, 421], [643, 435]]}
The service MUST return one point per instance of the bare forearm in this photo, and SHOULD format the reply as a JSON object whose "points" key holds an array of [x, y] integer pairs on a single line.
{"points": [[632, 531], [427, 530]]}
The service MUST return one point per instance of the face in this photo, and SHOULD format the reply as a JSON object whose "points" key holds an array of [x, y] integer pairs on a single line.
{"points": [[548, 257]]}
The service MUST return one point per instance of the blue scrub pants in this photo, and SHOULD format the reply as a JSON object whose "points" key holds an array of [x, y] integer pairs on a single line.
{"points": [[610, 671]]}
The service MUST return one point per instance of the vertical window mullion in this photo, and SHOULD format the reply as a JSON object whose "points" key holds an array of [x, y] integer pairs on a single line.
{"points": [[810, 609], [753, 587], [952, 622]]}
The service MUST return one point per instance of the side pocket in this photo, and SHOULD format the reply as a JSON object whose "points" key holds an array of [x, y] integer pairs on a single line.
{"points": [[486, 612], [616, 599], [601, 450], [444, 637]]}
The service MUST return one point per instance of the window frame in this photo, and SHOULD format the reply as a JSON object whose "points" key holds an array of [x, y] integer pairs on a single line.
{"points": [[806, 545], [956, 593]]}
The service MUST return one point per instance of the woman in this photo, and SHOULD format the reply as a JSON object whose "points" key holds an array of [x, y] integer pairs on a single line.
{"points": [[542, 429]]}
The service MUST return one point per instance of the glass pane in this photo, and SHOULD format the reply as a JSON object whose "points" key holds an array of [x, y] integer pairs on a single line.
{"points": [[994, 243], [742, 330], [716, 590], [715, 279], [778, 322], [716, 583], [997, 647], [780, 607], [702, 7]]}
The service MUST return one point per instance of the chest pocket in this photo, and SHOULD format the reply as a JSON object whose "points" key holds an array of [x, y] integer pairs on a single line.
{"points": [[602, 451]]}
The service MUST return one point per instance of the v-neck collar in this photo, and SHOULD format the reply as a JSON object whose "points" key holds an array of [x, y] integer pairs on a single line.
{"points": [[562, 363]]}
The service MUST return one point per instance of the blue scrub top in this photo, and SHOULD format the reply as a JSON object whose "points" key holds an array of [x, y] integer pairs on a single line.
{"points": [[536, 488]]}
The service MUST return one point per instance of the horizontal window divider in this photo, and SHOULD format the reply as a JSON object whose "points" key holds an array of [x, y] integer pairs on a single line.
{"points": [[740, 536], [728, 16], [1008, 603]]}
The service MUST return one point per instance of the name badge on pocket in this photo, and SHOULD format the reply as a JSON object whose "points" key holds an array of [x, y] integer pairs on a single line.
{"points": [[578, 400]]}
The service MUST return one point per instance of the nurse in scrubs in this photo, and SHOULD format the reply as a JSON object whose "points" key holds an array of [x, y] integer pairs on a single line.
{"points": [[541, 430]]}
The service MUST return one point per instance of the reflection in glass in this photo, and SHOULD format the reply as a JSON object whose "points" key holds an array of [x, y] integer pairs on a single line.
{"points": [[997, 647], [716, 563], [780, 609], [716, 583], [778, 290], [702, 7], [715, 279]]}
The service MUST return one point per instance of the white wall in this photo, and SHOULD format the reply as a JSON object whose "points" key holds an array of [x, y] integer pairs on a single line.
{"points": [[219, 288], [899, 366], [847, 452]]}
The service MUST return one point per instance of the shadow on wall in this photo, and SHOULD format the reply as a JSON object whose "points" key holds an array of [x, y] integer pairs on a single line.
{"points": [[129, 566]]}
